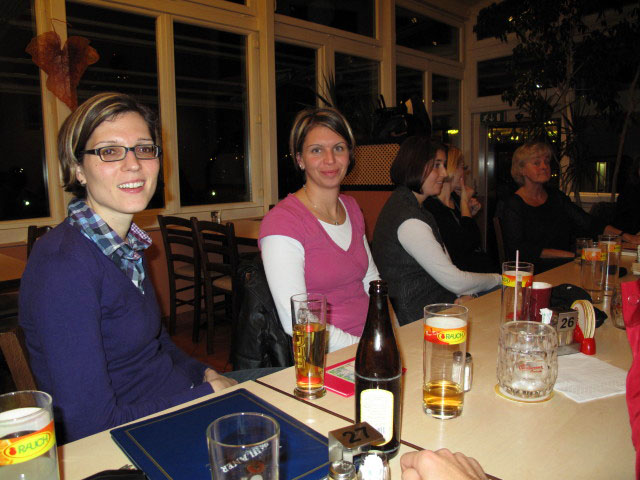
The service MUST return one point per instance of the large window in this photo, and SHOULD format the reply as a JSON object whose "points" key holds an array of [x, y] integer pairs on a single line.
{"points": [[23, 187], [409, 84], [494, 76], [446, 108], [126, 44], [295, 90], [357, 16], [420, 32], [211, 97], [357, 93]]}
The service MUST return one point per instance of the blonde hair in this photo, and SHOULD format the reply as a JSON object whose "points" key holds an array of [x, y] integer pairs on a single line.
{"points": [[79, 126], [454, 157], [527, 153]]}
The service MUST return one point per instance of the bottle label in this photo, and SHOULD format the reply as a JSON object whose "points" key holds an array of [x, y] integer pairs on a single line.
{"points": [[376, 408], [445, 336], [27, 447], [509, 279]]}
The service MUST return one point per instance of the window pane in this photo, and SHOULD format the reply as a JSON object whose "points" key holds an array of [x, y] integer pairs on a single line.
{"points": [[416, 31], [295, 90], [211, 96], [446, 108], [355, 16], [494, 76], [357, 93], [126, 44], [23, 189], [409, 82]]}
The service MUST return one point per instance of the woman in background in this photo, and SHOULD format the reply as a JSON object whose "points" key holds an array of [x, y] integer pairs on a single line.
{"points": [[314, 240], [407, 245], [453, 210], [542, 222]]}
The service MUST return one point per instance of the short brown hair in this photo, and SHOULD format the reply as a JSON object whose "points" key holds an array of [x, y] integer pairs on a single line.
{"points": [[526, 153], [79, 126], [414, 162], [326, 117]]}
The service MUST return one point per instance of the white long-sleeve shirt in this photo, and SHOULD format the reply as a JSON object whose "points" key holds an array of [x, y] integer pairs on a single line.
{"points": [[283, 259]]}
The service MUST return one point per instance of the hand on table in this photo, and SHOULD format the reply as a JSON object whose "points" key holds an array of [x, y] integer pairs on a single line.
{"points": [[218, 382], [462, 299], [440, 465]]}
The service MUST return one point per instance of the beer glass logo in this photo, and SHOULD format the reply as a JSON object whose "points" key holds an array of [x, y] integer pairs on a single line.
{"points": [[27, 447], [445, 336], [509, 280]]}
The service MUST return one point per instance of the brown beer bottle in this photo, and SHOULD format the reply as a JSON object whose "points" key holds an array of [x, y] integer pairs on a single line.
{"points": [[379, 372]]}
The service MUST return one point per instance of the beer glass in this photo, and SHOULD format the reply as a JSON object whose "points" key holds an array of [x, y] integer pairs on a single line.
{"points": [[527, 360], [444, 355], [308, 314], [581, 243], [592, 271], [612, 245], [516, 294], [27, 437], [244, 446]]}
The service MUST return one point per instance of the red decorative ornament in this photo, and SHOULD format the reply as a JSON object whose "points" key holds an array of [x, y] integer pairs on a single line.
{"points": [[64, 66]]}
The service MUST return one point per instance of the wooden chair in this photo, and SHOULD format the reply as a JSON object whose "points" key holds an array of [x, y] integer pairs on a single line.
{"points": [[183, 265], [498, 229], [14, 350], [219, 262], [34, 233]]}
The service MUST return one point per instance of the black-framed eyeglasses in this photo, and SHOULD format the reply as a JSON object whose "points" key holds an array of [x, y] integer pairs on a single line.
{"points": [[116, 153]]}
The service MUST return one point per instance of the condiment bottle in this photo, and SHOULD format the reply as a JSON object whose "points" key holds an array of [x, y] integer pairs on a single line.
{"points": [[378, 372]]}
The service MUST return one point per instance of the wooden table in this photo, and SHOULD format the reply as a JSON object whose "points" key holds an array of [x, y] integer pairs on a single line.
{"points": [[555, 439], [11, 269], [247, 231]]}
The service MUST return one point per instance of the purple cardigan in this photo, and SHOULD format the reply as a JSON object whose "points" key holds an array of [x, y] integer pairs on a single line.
{"points": [[96, 343]]}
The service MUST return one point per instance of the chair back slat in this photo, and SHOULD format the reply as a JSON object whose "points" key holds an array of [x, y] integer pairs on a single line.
{"points": [[15, 352], [34, 233]]}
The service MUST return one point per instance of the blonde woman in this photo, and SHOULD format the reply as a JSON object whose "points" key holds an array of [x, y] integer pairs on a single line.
{"points": [[453, 210]]}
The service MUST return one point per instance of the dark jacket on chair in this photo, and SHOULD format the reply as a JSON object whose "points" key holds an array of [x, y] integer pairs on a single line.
{"points": [[259, 339]]}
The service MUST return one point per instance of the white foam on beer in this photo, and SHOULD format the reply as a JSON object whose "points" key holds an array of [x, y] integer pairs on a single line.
{"points": [[17, 413], [446, 322]]}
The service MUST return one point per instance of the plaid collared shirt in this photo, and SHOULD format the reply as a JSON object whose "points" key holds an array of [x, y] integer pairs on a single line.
{"points": [[126, 255]]}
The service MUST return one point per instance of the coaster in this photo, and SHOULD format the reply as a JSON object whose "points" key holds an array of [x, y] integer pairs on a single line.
{"points": [[501, 393]]}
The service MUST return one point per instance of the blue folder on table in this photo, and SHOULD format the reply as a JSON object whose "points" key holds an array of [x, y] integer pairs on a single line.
{"points": [[174, 446]]}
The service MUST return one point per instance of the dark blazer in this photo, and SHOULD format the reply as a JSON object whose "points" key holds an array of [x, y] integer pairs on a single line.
{"points": [[259, 339]]}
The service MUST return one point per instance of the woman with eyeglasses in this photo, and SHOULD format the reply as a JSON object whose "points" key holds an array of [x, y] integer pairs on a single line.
{"points": [[454, 209], [87, 306]]}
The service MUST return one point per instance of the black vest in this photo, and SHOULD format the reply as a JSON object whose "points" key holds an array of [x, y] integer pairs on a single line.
{"points": [[410, 286]]}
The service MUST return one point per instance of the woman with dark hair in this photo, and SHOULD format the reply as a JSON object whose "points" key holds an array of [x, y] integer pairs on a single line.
{"points": [[541, 222], [407, 245], [87, 307], [453, 210], [627, 216], [314, 240]]}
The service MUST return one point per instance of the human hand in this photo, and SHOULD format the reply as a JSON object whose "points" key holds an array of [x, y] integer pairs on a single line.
{"points": [[463, 299], [440, 465], [218, 382]]}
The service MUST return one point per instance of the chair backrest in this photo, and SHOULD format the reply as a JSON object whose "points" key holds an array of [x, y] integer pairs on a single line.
{"points": [[34, 233], [218, 249], [179, 245], [14, 349], [498, 229]]}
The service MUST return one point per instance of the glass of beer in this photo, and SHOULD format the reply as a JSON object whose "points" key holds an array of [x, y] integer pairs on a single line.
{"points": [[527, 361], [244, 446], [308, 314], [27, 436], [612, 246], [444, 355], [593, 270]]}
